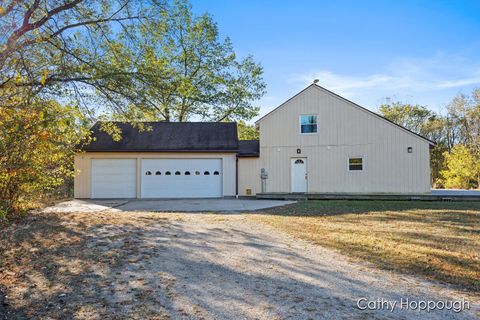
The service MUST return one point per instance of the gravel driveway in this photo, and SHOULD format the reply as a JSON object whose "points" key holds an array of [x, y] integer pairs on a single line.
{"points": [[133, 265]]}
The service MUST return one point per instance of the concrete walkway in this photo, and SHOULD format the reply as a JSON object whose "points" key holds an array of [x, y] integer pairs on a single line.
{"points": [[166, 205]]}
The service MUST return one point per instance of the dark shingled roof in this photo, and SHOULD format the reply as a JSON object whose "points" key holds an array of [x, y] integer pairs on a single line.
{"points": [[169, 136], [248, 148]]}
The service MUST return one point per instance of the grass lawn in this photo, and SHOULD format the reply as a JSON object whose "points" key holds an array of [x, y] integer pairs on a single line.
{"points": [[438, 240]]}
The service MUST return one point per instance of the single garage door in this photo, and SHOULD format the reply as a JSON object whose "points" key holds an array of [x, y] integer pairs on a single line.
{"points": [[114, 178], [181, 178]]}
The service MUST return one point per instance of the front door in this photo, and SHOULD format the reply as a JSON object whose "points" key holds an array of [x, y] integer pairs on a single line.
{"points": [[299, 174]]}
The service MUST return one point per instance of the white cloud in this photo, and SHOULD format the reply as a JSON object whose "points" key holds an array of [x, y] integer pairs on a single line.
{"points": [[431, 81]]}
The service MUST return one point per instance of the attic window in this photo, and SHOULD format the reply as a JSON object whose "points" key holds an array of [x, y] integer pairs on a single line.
{"points": [[148, 173], [177, 173], [308, 124], [158, 173], [168, 173]]}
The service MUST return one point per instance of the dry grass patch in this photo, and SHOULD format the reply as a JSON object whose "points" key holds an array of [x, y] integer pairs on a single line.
{"points": [[439, 240], [61, 265]]}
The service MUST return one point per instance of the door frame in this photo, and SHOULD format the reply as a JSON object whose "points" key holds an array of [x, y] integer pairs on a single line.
{"points": [[291, 175]]}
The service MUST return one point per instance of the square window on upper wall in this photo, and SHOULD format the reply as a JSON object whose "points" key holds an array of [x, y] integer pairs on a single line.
{"points": [[308, 124]]}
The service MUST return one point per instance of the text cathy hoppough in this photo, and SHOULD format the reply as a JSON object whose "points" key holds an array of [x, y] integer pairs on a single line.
{"points": [[409, 304]]}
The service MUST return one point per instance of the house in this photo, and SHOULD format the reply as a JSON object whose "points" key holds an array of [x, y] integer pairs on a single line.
{"points": [[316, 142]]}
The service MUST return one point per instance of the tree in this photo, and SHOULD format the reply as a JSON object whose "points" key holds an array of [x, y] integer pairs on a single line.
{"points": [[415, 118], [188, 71], [463, 116], [463, 140], [50, 51], [37, 143], [57, 47], [247, 131], [462, 169]]}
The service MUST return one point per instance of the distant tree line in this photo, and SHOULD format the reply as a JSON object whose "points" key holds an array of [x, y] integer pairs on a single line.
{"points": [[455, 160]]}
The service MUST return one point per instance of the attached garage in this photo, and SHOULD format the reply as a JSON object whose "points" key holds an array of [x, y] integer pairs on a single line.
{"points": [[184, 178], [167, 160]]}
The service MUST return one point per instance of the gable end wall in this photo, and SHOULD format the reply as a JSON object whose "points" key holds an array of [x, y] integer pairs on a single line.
{"points": [[343, 131]]}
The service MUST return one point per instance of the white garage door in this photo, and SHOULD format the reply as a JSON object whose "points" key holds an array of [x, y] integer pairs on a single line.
{"points": [[114, 178], [181, 178]]}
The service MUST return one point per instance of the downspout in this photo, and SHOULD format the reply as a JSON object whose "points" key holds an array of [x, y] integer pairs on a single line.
{"points": [[236, 177]]}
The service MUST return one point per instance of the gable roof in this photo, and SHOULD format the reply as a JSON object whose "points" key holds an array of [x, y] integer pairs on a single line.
{"points": [[168, 137], [314, 85], [248, 148]]}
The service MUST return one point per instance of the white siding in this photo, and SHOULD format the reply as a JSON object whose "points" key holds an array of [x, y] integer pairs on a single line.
{"points": [[249, 175], [343, 131]]}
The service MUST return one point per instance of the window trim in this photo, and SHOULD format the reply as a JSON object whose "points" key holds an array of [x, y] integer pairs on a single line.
{"points": [[353, 157], [300, 124]]}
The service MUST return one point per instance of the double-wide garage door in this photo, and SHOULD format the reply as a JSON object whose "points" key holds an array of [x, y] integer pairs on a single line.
{"points": [[159, 178]]}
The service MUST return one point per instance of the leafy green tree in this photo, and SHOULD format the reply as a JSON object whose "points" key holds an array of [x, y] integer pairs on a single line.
{"points": [[247, 131], [462, 168], [413, 117], [188, 71]]}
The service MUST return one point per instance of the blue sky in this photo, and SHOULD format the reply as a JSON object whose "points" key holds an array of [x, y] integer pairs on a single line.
{"points": [[421, 52]]}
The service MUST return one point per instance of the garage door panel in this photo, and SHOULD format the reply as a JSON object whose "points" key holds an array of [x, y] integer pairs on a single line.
{"points": [[114, 178], [196, 184]]}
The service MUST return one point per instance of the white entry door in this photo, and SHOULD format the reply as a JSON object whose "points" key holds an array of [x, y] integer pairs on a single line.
{"points": [[114, 178], [181, 178], [299, 174]]}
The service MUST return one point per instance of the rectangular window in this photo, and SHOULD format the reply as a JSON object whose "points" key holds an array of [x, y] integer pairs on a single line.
{"points": [[355, 164], [308, 124]]}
